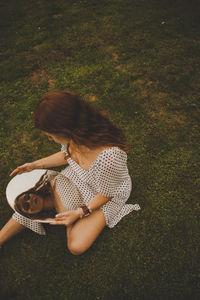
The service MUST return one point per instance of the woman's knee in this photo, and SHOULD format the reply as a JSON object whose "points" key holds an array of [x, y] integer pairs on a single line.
{"points": [[75, 248]]}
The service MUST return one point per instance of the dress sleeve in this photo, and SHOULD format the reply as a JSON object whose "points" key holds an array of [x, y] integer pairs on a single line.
{"points": [[112, 172]]}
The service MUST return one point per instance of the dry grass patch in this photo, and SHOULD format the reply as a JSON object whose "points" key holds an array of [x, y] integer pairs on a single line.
{"points": [[143, 86], [139, 82], [157, 108], [91, 98], [37, 47], [54, 53], [111, 51], [115, 56], [37, 76], [57, 16], [24, 138], [122, 68], [105, 113], [51, 83], [149, 83]]}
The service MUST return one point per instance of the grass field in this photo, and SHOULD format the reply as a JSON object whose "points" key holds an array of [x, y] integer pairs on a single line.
{"points": [[139, 62]]}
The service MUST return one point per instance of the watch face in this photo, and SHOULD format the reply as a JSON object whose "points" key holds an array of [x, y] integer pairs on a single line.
{"points": [[86, 210]]}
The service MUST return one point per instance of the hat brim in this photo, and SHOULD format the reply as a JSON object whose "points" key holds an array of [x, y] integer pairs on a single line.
{"points": [[22, 183]]}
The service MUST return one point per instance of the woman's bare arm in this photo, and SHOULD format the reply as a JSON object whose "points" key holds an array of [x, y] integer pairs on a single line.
{"points": [[54, 160], [98, 201], [68, 217]]}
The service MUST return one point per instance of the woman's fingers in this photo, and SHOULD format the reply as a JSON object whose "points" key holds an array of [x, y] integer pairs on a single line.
{"points": [[21, 169], [61, 215], [58, 223], [66, 218], [14, 172], [18, 170]]}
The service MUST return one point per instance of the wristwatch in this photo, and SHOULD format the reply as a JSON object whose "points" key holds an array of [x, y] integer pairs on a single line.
{"points": [[86, 210]]}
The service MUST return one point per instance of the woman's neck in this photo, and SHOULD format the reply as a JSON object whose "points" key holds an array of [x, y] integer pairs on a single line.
{"points": [[75, 149], [83, 155]]}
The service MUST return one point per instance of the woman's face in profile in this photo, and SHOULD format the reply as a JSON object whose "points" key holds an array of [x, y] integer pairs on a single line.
{"points": [[56, 138], [32, 203]]}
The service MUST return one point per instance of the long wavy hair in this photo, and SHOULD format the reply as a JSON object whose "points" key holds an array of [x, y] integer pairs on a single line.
{"points": [[66, 114], [42, 189]]}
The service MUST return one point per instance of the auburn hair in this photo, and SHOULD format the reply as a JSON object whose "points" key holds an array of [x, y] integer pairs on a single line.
{"points": [[66, 114]]}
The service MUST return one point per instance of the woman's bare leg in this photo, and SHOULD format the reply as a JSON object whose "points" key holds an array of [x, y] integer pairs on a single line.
{"points": [[10, 229], [82, 234]]}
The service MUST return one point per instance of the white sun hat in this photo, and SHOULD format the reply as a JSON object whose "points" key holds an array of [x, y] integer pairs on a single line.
{"points": [[22, 183]]}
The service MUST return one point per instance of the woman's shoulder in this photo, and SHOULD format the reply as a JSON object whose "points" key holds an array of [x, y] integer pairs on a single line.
{"points": [[112, 156], [113, 152], [111, 165]]}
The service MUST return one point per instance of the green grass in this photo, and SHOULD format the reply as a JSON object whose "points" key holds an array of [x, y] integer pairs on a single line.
{"points": [[138, 61]]}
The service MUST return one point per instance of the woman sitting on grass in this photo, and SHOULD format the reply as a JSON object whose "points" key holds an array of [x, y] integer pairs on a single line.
{"points": [[94, 150]]}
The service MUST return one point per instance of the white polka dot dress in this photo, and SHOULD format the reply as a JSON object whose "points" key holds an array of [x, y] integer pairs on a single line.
{"points": [[107, 176], [68, 192], [34, 226]]}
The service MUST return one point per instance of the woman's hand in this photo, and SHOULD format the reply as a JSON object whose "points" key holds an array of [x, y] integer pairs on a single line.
{"points": [[24, 168], [66, 218]]}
